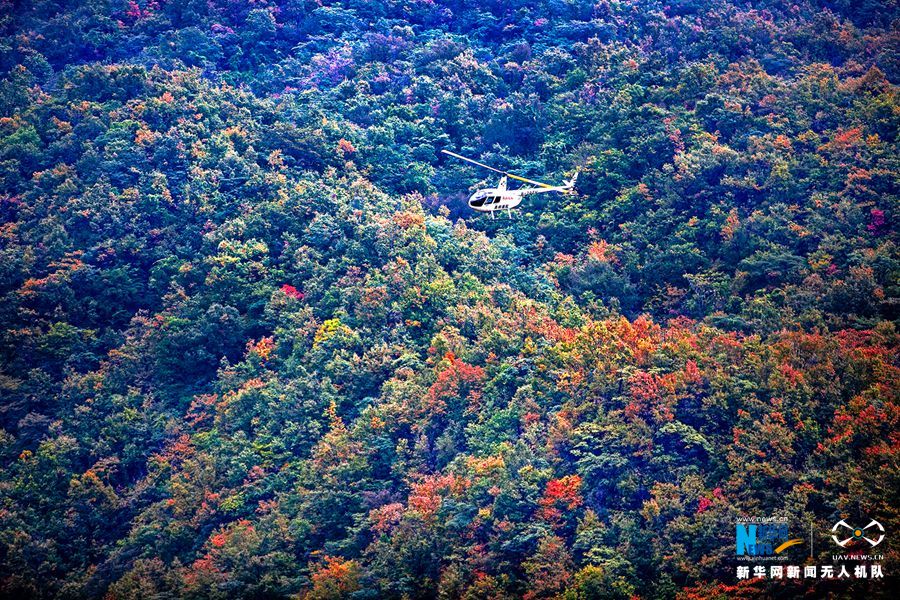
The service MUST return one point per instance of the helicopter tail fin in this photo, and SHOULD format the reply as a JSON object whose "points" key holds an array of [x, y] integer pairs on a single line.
{"points": [[570, 183]]}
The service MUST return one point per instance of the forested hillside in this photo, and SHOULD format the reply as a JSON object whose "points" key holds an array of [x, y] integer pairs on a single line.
{"points": [[253, 344]]}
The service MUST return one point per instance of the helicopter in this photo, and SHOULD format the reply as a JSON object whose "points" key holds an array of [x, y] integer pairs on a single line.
{"points": [[490, 200]]}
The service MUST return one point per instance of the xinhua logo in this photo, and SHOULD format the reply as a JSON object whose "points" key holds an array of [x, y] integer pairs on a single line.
{"points": [[857, 533], [762, 539]]}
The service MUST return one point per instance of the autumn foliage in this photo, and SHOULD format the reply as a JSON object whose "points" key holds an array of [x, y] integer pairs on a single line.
{"points": [[254, 344]]}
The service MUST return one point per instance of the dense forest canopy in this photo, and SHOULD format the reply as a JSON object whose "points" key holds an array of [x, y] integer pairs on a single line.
{"points": [[254, 345]]}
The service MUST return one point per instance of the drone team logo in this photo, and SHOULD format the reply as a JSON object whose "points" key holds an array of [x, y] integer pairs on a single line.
{"points": [[857, 533]]}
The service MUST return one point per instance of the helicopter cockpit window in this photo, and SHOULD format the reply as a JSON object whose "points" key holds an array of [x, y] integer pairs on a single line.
{"points": [[477, 199]]}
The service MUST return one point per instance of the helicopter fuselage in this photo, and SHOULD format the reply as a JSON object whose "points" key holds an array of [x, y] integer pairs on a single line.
{"points": [[491, 199]]}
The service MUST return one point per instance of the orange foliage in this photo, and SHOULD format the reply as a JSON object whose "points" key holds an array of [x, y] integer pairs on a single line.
{"points": [[143, 137], [458, 380], [407, 219], [199, 411], [334, 578], [843, 139], [386, 517], [263, 348], [425, 496], [731, 223], [346, 147], [602, 252], [745, 589], [560, 494]]}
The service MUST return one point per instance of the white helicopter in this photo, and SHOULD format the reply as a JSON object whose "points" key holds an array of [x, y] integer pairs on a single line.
{"points": [[490, 200]]}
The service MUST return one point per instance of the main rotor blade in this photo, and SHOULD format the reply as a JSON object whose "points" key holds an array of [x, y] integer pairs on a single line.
{"points": [[474, 162], [507, 173]]}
